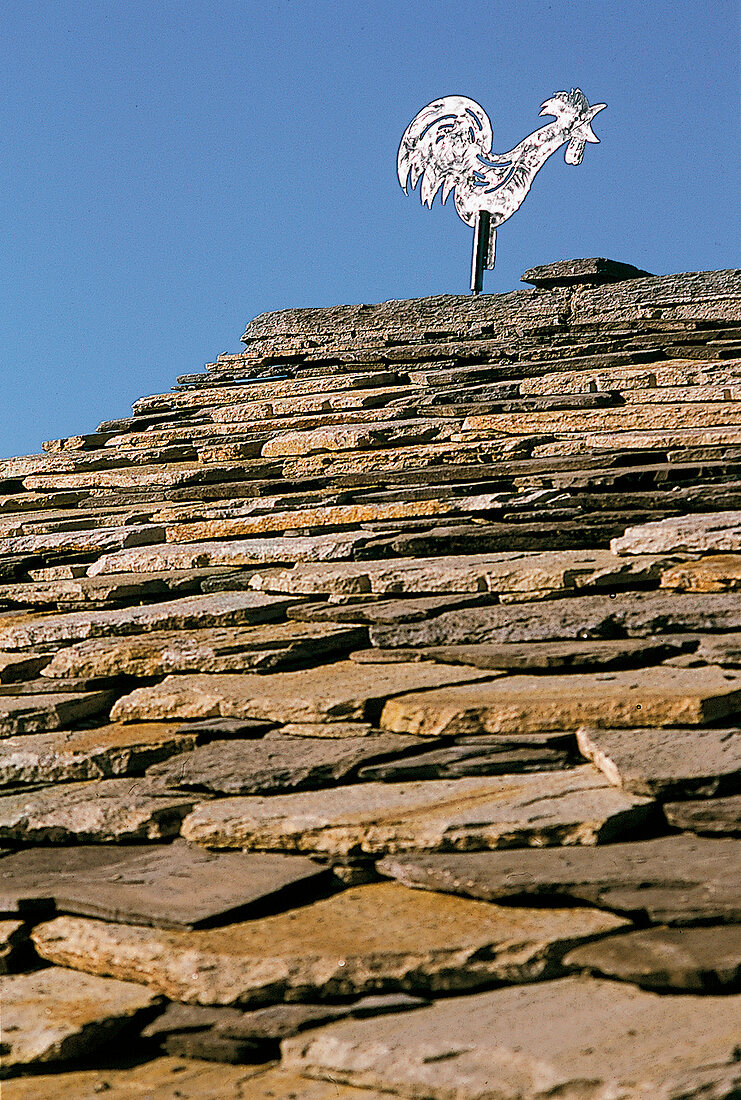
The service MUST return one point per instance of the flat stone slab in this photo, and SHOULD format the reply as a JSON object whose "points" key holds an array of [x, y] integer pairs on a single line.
{"points": [[32, 713], [537, 656], [58, 1015], [635, 614], [516, 571], [170, 886], [222, 609], [335, 691], [711, 817], [719, 649], [592, 272], [225, 649], [100, 811], [666, 763], [582, 1037], [706, 960], [492, 756], [408, 610], [661, 696], [707, 531], [574, 807], [169, 1078], [714, 573], [277, 763], [21, 666], [194, 555], [100, 753], [367, 939], [672, 879]]}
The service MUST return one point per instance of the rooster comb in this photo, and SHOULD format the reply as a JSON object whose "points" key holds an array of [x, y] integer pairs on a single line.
{"points": [[574, 98]]}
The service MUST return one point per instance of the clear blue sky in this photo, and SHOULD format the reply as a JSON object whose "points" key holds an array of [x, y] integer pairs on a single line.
{"points": [[171, 168]]}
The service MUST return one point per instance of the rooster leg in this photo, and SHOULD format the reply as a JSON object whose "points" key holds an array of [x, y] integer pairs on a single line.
{"points": [[483, 248]]}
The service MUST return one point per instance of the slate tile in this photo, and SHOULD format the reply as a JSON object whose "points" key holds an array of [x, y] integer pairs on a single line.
{"points": [[276, 763], [586, 1037], [672, 879], [168, 886], [58, 1015], [714, 531], [547, 656], [33, 713], [711, 817], [699, 960], [367, 939], [100, 811], [666, 763], [453, 761], [573, 807]]}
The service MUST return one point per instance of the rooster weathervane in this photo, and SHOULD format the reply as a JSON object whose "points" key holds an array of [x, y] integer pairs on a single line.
{"points": [[448, 145]]}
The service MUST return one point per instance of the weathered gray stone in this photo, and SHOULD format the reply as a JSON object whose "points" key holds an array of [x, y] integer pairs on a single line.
{"points": [[168, 886], [276, 763], [588, 1038], [58, 1015], [21, 666], [704, 960], [712, 816], [492, 756], [31, 713], [83, 542], [90, 753], [218, 649], [328, 729], [335, 691], [367, 939], [591, 654], [668, 763], [663, 696], [673, 879], [279, 1021], [637, 614], [590, 272], [710, 531], [103, 810], [192, 611], [574, 807], [719, 649]]}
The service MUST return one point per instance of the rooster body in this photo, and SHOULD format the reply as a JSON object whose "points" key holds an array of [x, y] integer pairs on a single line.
{"points": [[448, 145]]}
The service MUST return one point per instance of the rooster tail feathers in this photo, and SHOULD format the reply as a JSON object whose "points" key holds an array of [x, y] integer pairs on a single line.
{"points": [[442, 146]]}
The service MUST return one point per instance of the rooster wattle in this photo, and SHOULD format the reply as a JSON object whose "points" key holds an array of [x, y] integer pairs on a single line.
{"points": [[448, 145]]}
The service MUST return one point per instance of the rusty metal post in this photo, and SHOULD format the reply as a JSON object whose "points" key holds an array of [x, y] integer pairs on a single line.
{"points": [[480, 250]]}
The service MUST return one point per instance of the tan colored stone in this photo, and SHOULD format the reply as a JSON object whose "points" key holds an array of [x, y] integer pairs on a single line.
{"points": [[169, 1078], [627, 418], [90, 753], [33, 713], [339, 515], [83, 542], [221, 609], [21, 666], [517, 571], [657, 696], [715, 573], [574, 1037], [374, 938], [631, 380], [709, 531], [358, 437], [334, 547], [228, 649], [101, 811], [57, 1015], [568, 807], [590, 442], [336, 691], [407, 458]]}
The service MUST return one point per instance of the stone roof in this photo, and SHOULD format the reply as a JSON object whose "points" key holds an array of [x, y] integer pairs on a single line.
{"points": [[369, 708]]}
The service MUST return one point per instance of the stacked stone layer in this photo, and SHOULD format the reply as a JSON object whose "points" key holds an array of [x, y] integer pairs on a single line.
{"points": [[369, 710]]}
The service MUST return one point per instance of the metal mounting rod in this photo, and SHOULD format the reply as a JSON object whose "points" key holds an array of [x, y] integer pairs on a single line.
{"points": [[480, 250]]}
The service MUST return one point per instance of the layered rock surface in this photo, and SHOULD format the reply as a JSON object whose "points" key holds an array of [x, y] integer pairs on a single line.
{"points": [[376, 693]]}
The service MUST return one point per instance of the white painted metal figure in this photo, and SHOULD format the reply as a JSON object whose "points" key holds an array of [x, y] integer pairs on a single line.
{"points": [[448, 145]]}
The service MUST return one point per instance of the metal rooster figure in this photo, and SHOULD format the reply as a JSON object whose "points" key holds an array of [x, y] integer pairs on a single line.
{"points": [[448, 145]]}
